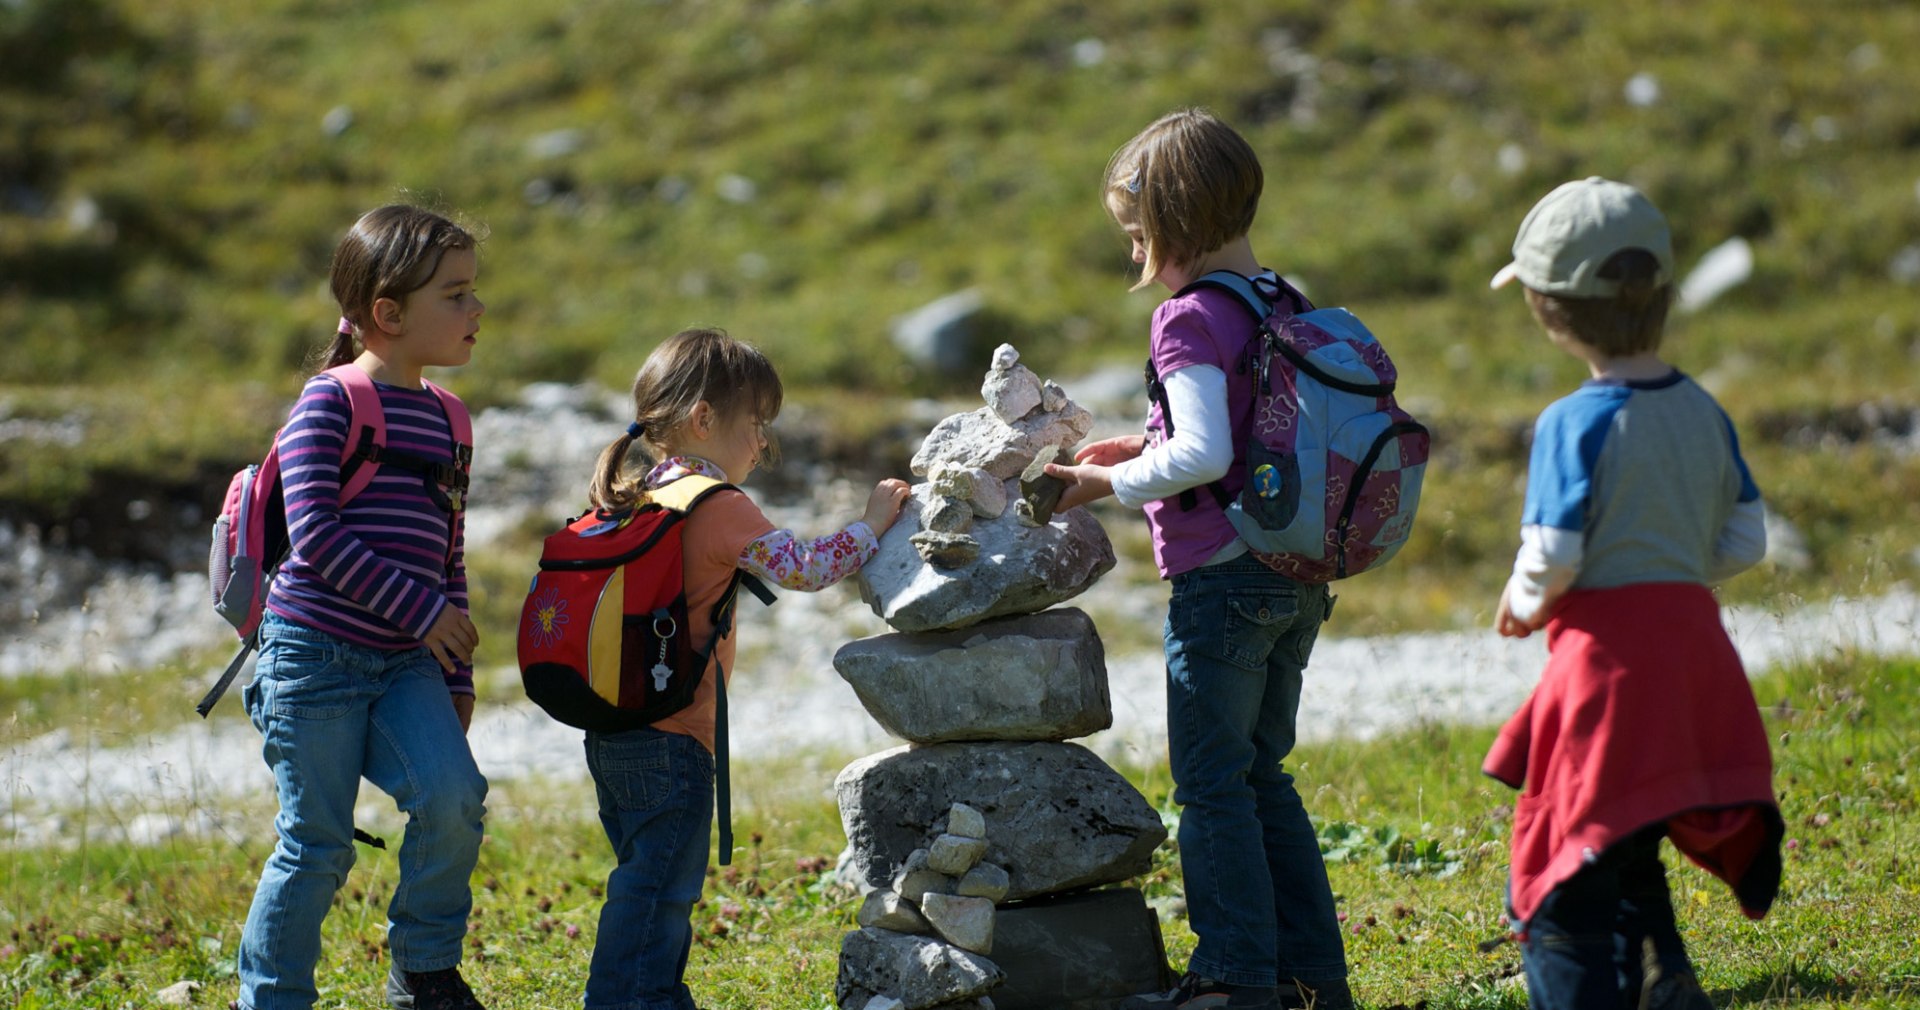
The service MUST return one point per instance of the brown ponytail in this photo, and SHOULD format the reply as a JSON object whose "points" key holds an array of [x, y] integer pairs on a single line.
{"points": [[734, 378], [613, 486], [341, 349]]}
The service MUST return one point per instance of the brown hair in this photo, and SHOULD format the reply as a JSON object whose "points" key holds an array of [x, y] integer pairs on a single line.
{"points": [[1190, 182], [390, 252], [734, 378], [1630, 322]]}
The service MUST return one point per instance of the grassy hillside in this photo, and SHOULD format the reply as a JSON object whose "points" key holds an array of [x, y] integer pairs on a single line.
{"points": [[175, 174]]}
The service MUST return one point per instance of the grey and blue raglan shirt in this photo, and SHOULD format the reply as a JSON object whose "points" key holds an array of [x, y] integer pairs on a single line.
{"points": [[1634, 482]]}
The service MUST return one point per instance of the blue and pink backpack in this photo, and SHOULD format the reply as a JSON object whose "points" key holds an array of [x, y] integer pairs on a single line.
{"points": [[1334, 465], [250, 540]]}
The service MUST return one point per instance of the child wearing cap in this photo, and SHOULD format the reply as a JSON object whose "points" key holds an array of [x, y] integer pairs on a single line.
{"points": [[1643, 725]]}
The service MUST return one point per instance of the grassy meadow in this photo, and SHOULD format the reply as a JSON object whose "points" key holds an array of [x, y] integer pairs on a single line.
{"points": [[175, 173], [1414, 835]]}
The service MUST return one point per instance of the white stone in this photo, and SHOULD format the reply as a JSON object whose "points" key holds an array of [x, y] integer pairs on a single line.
{"points": [[984, 881], [966, 923], [954, 855], [965, 821], [178, 994], [884, 909]]}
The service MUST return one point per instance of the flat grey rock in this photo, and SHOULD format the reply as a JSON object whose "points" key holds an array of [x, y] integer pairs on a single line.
{"points": [[1030, 677]]}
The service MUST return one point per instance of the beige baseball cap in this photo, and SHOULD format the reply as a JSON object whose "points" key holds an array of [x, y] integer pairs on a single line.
{"points": [[1572, 232]]}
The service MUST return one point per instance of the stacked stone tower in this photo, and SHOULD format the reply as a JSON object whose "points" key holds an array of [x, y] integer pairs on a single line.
{"points": [[984, 847]]}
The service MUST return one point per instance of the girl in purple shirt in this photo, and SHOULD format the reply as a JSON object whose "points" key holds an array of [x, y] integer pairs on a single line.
{"points": [[366, 650], [1238, 633]]}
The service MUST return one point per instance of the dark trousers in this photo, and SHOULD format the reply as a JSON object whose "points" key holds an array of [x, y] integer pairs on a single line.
{"points": [[1586, 943]]}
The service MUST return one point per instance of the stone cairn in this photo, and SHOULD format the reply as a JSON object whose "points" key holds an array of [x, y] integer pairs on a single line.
{"points": [[987, 835]]}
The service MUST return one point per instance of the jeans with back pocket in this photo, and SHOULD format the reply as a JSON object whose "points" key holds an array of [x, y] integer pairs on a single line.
{"points": [[330, 713], [656, 804], [1238, 636]]}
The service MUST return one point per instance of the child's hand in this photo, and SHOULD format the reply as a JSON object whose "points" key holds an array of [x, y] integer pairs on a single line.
{"points": [[1084, 483], [883, 505], [452, 638], [1111, 451], [1507, 624]]}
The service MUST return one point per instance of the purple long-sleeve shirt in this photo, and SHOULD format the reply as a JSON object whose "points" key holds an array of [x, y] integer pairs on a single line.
{"points": [[377, 572]]}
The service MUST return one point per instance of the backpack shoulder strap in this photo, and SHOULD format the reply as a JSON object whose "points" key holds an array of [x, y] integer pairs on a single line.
{"points": [[1241, 288], [366, 429], [685, 494], [459, 421]]}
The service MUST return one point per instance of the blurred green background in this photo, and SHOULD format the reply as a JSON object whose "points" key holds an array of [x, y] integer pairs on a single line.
{"points": [[175, 173]]}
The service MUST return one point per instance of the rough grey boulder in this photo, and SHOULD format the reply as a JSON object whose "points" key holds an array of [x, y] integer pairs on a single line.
{"points": [[1061, 818], [1084, 951], [918, 971], [1018, 570], [1032, 677]]}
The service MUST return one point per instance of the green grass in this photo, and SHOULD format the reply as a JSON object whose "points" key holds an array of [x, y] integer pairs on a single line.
{"points": [[1417, 855]]}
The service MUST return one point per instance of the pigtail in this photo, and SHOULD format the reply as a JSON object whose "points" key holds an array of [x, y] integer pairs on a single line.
{"points": [[340, 351], [613, 487]]}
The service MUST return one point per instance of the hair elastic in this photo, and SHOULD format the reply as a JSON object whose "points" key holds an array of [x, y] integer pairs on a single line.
{"points": [[1133, 181], [635, 430], [346, 326]]}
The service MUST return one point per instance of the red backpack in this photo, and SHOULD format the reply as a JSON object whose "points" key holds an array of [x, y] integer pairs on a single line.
{"points": [[604, 641], [250, 539]]}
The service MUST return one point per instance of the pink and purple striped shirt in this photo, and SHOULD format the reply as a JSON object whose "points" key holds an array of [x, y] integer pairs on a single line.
{"points": [[378, 571]]}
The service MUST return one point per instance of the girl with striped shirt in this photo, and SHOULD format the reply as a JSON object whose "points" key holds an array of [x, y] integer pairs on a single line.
{"points": [[366, 649]]}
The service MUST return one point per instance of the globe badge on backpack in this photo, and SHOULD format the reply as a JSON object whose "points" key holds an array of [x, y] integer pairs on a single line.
{"points": [[1334, 465]]}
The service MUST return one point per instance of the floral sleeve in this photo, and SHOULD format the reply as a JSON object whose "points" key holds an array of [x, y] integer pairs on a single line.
{"points": [[786, 561]]}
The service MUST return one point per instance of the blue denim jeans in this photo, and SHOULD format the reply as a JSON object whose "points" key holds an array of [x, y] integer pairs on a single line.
{"points": [[1584, 942], [1238, 637], [330, 713], [656, 804]]}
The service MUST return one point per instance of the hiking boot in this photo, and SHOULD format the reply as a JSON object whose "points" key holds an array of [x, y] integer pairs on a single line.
{"points": [[1677, 991], [1196, 993], [430, 990], [1299, 994]]}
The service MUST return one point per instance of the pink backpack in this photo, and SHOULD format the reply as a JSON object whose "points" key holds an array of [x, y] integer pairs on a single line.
{"points": [[250, 539]]}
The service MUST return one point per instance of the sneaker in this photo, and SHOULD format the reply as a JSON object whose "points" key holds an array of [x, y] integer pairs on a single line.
{"points": [[1297, 994], [430, 990], [1196, 993]]}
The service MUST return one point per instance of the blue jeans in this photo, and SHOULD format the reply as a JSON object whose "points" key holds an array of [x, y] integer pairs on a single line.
{"points": [[1584, 943], [1238, 637], [656, 804], [331, 712]]}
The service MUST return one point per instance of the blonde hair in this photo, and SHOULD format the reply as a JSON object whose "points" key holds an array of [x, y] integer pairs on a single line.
{"points": [[1630, 322], [1190, 182], [734, 378]]}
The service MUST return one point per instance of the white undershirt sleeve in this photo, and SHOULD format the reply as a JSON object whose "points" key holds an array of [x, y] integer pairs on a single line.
{"points": [[1201, 449], [1742, 542], [1548, 560]]}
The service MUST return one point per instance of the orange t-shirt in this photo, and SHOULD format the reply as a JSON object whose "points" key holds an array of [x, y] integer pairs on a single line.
{"points": [[715, 534]]}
